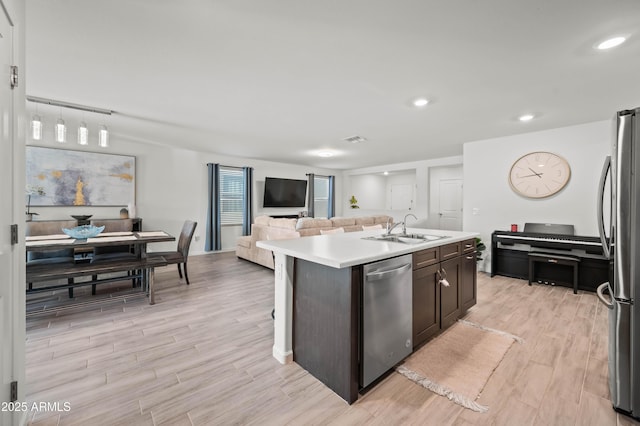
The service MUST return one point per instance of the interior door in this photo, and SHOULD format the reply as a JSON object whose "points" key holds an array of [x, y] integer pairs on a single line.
{"points": [[401, 197], [7, 269], [450, 204]]}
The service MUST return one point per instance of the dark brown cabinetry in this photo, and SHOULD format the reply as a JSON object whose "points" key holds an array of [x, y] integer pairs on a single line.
{"points": [[469, 285], [449, 292], [444, 287], [327, 310], [426, 303]]}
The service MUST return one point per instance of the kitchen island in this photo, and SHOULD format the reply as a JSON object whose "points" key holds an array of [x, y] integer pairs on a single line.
{"points": [[318, 296]]}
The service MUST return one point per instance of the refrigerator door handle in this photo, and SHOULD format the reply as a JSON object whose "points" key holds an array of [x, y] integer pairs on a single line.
{"points": [[603, 178], [600, 293]]}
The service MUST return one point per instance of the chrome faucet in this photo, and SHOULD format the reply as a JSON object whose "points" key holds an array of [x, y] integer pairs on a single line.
{"points": [[404, 223], [392, 227]]}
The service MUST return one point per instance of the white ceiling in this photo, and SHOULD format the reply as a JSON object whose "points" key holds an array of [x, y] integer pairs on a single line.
{"points": [[283, 79]]}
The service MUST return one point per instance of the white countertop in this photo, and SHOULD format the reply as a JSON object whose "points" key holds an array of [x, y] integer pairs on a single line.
{"points": [[350, 249]]}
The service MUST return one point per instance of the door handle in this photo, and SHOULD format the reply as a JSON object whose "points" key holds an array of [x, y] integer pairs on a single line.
{"points": [[600, 293], [603, 177], [443, 278]]}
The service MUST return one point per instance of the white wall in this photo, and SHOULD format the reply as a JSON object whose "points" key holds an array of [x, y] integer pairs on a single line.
{"points": [[369, 190], [171, 185], [490, 204]]}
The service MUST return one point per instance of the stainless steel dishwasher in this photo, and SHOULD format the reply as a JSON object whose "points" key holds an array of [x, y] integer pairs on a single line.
{"points": [[387, 316]]}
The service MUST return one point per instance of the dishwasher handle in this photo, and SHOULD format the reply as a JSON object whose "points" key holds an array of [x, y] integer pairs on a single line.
{"points": [[388, 273]]}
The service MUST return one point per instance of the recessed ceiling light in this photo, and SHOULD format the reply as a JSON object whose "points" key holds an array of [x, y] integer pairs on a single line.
{"points": [[526, 117], [610, 43], [325, 154], [386, 173], [420, 102]]}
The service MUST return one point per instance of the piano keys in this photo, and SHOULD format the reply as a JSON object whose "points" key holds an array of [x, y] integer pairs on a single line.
{"points": [[553, 241]]}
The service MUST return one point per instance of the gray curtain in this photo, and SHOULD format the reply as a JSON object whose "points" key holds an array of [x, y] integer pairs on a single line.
{"points": [[332, 197], [213, 240], [247, 200], [310, 204]]}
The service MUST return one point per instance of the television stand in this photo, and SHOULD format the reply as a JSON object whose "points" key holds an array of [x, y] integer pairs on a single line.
{"points": [[284, 216]]}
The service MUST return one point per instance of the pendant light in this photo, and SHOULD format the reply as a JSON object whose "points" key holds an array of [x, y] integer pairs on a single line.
{"points": [[83, 134], [103, 136], [60, 130], [36, 128]]}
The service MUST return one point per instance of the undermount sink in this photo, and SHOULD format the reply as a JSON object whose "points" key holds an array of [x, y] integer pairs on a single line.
{"points": [[406, 238]]}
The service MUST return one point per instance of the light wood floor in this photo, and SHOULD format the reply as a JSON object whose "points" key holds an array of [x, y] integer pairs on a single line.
{"points": [[202, 356]]}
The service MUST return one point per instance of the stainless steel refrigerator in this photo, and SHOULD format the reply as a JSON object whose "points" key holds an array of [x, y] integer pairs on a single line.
{"points": [[620, 235]]}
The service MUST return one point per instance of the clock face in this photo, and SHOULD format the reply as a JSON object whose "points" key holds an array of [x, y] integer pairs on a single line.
{"points": [[539, 174]]}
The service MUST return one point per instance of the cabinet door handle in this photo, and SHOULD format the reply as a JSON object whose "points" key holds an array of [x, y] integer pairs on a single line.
{"points": [[469, 257], [468, 245], [443, 278]]}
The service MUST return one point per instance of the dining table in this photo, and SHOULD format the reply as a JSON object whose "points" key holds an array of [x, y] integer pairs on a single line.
{"points": [[84, 266]]}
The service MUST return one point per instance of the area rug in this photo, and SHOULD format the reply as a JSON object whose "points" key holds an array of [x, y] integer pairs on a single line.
{"points": [[458, 363]]}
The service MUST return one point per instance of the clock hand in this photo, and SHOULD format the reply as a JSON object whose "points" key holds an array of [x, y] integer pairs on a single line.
{"points": [[537, 174]]}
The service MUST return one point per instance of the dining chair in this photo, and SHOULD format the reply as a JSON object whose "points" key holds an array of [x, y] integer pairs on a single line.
{"points": [[50, 227], [181, 255]]}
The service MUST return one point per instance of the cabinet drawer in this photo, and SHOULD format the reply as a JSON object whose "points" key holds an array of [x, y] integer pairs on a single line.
{"points": [[425, 257], [469, 246], [450, 251]]}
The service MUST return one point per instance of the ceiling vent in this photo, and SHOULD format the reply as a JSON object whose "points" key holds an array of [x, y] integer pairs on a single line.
{"points": [[355, 139]]}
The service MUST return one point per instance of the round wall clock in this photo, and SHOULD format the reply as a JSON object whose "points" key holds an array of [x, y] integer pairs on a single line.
{"points": [[539, 174]]}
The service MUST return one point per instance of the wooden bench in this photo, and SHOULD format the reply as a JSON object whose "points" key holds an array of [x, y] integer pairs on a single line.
{"points": [[557, 260], [143, 270]]}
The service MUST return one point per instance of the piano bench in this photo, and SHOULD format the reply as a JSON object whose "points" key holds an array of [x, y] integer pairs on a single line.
{"points": [[557, 260]]}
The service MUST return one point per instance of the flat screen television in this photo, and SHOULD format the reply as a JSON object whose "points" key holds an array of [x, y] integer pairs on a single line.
{"points": [[284, 192]]}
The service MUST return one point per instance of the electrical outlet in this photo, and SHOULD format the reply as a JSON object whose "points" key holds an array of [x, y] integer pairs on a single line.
{"points": [[475, 211]]}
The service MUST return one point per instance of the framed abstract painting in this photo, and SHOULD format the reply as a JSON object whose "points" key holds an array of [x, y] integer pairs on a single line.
{"points": [[61, 177]]}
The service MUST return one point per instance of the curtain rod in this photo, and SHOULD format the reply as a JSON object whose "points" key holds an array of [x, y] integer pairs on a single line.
{"points": [[69, 105]]}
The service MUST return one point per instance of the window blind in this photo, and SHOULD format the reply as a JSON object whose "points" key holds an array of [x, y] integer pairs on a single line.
{"points": [[231, 190]]}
